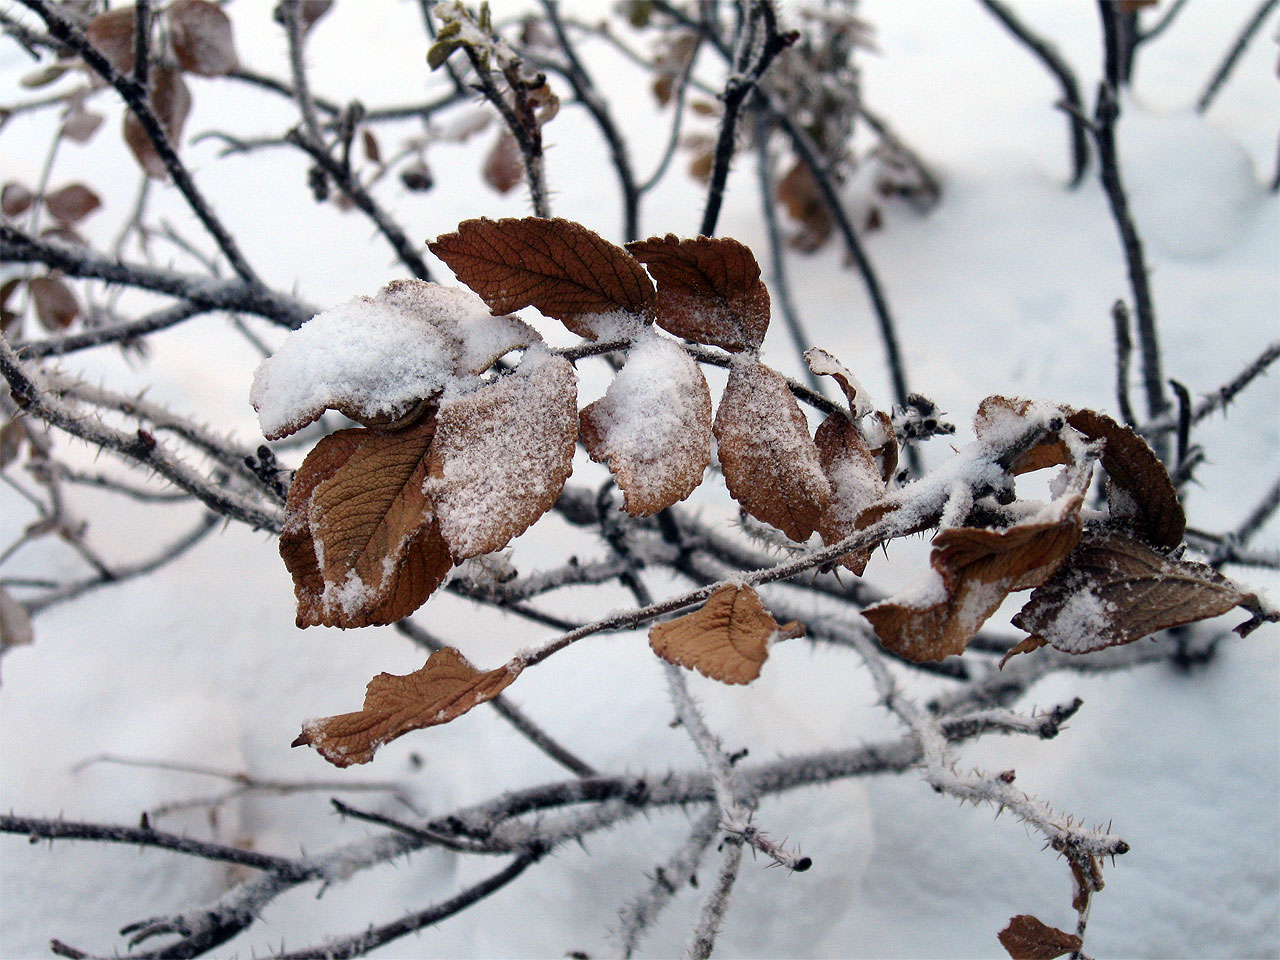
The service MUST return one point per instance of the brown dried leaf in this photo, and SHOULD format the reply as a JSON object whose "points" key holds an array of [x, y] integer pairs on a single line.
{"points": [[502, 454], [12, 435], [112, 34], [201, 36], [855, 481], [799, 195], [1114, 589], [770, 462], [997, 413], [504, 165], [297, 548], [15, 623], [709, 289], [171, 102], [653, 425], [563, 269], [15, 199], [72, 203], [1140, 493], [1027, 938], [43, 76], [56, 306], [726, 639], [379, 555], [8, 318], [79, 124], [445, 688], [372, 151], [976, 569]]}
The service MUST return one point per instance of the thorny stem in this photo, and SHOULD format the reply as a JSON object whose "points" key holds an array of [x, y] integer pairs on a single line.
{"points": [[135, 96], [749, 67], [347, 182], [781, 287], [587, 93]]}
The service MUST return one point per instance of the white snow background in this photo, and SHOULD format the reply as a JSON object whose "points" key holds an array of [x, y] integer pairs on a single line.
{"points": [[1004, 288]]}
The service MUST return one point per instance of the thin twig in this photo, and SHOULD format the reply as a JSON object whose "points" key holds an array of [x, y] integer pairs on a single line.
{"points": [[1053, 61], [1247, 33]]}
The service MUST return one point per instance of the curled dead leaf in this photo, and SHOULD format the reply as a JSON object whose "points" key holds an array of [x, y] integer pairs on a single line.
{"points": [[709, 289], [996, 414], [855, 480], [726, 639], [557, 266], [111, 33], [973, 571], [1140, 493], [446, 687], [653, 426], [56, 306], [770, 462], [504, 164]]}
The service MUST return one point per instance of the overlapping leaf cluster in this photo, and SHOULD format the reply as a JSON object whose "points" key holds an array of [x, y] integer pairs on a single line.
{"points": [[461, 451]]}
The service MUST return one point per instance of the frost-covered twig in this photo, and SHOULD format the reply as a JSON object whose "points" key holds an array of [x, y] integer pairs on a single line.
{"points": [[139, 447], [1048, 55], [206, 292], [111, 333], [1220, 398], [1124, 350], [716, 903], [668, 878], [511, 713], [122, 573], [1247, 33], [349, 184], [758, 43], [780, 287], [585, 89], [135, 95]]}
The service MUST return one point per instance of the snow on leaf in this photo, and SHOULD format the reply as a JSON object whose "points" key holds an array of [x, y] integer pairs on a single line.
{"points": [[1140, 493], [855, 483], [709, 289], [997, 414], [446, 687], [377, 551], [563, 269], [1027, 938], [171, 102], [376, 357], [653, 425], [201, 37], [726, 639], [1115, 589], [502, 454], [973, 570], [770, 462], [71, 203], [824, 364]]}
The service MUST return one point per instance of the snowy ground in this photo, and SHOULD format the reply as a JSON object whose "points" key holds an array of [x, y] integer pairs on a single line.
{"points": [[1004, 288]]}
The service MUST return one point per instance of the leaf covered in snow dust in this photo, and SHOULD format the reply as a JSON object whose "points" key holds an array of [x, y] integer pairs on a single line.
{"points": [[445, 688], [502, 454]]}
